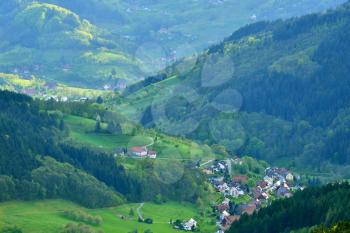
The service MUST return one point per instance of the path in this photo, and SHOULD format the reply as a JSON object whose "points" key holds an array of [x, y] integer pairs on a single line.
{"points": [[138, 210], [151, 144], [201, 165]]}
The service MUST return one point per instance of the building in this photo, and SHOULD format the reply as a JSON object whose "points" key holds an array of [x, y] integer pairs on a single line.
{"points": [[190, 225], [139, 151], [152, 154]]}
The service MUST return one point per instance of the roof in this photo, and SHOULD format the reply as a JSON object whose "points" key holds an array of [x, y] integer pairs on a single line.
{"points": [[152, 152], [138, 149]]}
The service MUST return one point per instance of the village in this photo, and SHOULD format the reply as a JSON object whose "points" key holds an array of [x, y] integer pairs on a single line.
{"points": [[239, 197]]}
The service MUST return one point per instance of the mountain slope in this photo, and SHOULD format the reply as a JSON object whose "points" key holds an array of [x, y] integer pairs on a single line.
{"points": [[54, 43], [109, 43], [275, 90]]}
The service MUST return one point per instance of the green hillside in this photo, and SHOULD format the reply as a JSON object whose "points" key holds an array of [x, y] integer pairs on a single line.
{"points": [[53, 43], [276, 90], [48, 216]]}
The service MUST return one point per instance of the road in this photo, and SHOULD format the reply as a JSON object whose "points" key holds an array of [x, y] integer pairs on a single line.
{"points": [[201, 165], [138, 210]]}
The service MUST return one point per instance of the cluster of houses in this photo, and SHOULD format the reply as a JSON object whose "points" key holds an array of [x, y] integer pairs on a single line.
{"points": [[276, 183], [190, 225], [143, 152]]}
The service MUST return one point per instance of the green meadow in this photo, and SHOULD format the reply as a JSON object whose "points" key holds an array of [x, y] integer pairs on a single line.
{"points": [[47, 216], [82, 132]]}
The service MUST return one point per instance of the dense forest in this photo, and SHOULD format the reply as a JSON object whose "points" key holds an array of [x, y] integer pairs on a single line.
{"points": [[36, 164], [311, 207], [342, 227]]}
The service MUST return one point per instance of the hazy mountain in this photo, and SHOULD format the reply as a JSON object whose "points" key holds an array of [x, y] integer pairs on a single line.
{"points": [[91, 43]]}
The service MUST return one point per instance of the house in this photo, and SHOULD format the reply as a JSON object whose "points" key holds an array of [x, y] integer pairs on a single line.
{"points": [[268, 180], [227, 221], [262, 184], [107, 87], [290, 177], [190, 225], [283, 192], [247, 208], [223, 215], [139, 151], [119, 151], [226, 201], [223, 207], [152, 154], [221, 166], [235, 192], [223, 188]]}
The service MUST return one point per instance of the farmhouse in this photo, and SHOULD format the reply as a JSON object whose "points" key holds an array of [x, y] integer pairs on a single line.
{"points": [[143, 152], [152, 154], [139, 151], [190, 225]]}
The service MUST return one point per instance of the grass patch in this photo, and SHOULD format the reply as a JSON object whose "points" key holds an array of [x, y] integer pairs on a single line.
{"points": [[82, 131], [47, 216]]}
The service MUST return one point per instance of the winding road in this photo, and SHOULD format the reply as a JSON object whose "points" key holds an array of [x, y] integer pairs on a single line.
{"points": [[138, 210]]}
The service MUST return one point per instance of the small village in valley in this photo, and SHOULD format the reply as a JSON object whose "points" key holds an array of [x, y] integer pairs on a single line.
{"points": [[245, 194]]}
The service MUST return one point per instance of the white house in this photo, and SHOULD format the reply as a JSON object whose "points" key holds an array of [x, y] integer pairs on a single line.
{"points": [[290, 177], [152, 154], [190, 225]]}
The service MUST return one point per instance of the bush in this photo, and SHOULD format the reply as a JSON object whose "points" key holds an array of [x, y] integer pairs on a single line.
{"points": [[80, 216], [148, 221], [11, 229]]}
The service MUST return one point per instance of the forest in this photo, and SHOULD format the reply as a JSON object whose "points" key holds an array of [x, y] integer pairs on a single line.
{"points": [[308, 208]]}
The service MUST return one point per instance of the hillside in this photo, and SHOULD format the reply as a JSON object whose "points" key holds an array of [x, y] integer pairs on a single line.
{"points": [[46, 165], [53, 43], [276, 90], [48, 153], [111, 43], [190, 26]]}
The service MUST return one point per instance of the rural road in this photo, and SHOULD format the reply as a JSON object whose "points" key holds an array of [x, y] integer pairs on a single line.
{"points": [[151, 144], [138, 210], [201, 165]]}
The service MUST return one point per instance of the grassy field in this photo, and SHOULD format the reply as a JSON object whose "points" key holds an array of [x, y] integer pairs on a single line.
{"points": [[47, 216], [82, 131], [134, 105]]}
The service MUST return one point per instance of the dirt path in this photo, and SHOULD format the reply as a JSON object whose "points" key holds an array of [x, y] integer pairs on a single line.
{"points": [[138, 210]]}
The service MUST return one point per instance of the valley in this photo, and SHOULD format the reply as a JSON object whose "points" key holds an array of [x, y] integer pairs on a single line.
{"points": [[150, 116]]}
